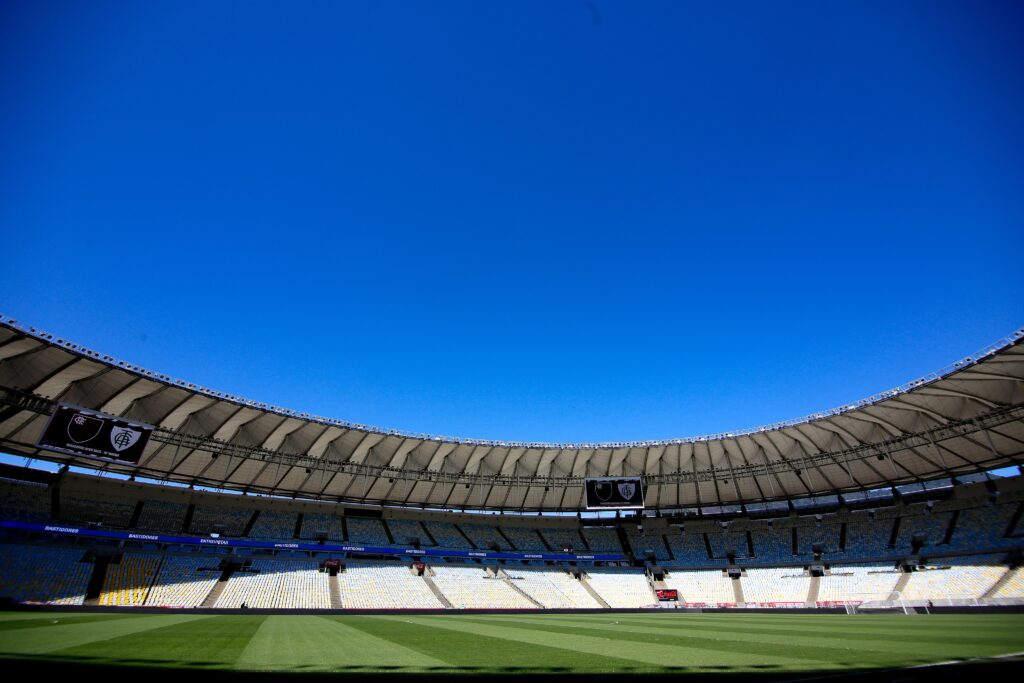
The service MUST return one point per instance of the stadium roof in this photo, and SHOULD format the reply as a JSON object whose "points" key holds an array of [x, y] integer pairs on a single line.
{"points": [[964, 418]]}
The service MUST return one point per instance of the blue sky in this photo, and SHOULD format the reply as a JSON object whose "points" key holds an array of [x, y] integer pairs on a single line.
{"points": [[540, 220]]}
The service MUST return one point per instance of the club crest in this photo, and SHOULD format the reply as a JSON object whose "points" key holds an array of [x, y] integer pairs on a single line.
{"points": [[122, 438], [626, 490], [82, 428], [603, 491]]}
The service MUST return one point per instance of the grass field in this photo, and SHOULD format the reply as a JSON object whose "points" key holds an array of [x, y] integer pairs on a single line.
{"points": [[770, 645]]}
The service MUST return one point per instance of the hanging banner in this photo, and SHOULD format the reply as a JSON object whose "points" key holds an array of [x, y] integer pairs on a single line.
{"points": [[84, 432], [615, 493]]}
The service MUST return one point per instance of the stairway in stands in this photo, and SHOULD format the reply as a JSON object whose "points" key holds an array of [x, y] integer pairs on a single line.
{"points": [[900, 585], [335, 591], [435, 590], [512, 584], [813, 591], [585, 582], [737, 591], [218, 588]]}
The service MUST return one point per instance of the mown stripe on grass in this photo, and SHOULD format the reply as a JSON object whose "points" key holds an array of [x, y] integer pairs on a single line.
{"points": [[471, 650], [611, 645], [791, 650], [69, 636], [41, 621], [315, 643], [944, 642], [207, 642]]}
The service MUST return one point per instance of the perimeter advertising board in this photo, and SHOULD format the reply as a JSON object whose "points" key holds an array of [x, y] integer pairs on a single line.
{"points": [[83, 432], [615, 493]]}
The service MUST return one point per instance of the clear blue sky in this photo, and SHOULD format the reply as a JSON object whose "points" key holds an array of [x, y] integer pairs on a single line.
{"points": [[525, 220]]}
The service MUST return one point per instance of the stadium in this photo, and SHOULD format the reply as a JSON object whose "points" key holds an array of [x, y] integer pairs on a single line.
{"points": [[895, 505], [694, 329]]}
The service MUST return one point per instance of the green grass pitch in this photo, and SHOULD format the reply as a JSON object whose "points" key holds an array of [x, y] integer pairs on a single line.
{"points": [[771, 645]]}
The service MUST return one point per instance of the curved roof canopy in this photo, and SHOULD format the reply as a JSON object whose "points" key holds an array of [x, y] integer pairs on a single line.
{"points": [[965, 418]]}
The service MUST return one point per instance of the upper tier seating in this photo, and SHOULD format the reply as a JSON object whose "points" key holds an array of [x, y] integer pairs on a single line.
{"points": [[932, 526], [79, 509], [772, 545], [984, 527], [559, 539], [274, 525], [483, 535], [366, 530], [402, 530], [723, 542], [233, 519], [322, 522], [644, 543], [447, 536], [825, 535], [525, 539], [158, 515], [867, 539], [688, 548], [603, 540], [23, 501]]}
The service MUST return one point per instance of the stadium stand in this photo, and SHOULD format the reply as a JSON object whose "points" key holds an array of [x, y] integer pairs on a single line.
{"points": [[275, 525], [560, 539], [688, 549], [158, 515], [84, 510], [127, 582], [775, 586], [233, 519], [366, 530], [476, 587], [602, 539], [553, 588], [858, 583], [644, 543], [384, 585], [525, 539], [622, 587], [314, 523], [702, 587], [958, 582], [24, 501], [446, 535], [183, 582], [278, 584], [39, 574], [772, 545], [404, 530]]}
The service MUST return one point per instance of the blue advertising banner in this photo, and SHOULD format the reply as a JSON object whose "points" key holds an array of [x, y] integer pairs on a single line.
{"points": [[72, 530]]}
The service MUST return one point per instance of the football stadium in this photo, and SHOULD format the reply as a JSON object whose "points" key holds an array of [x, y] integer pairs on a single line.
{"points": [[694, 328], [189, 528]]}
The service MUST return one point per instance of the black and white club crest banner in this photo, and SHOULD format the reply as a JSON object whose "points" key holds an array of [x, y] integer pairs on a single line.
{"points": [[82, 432], [615, 493]]}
